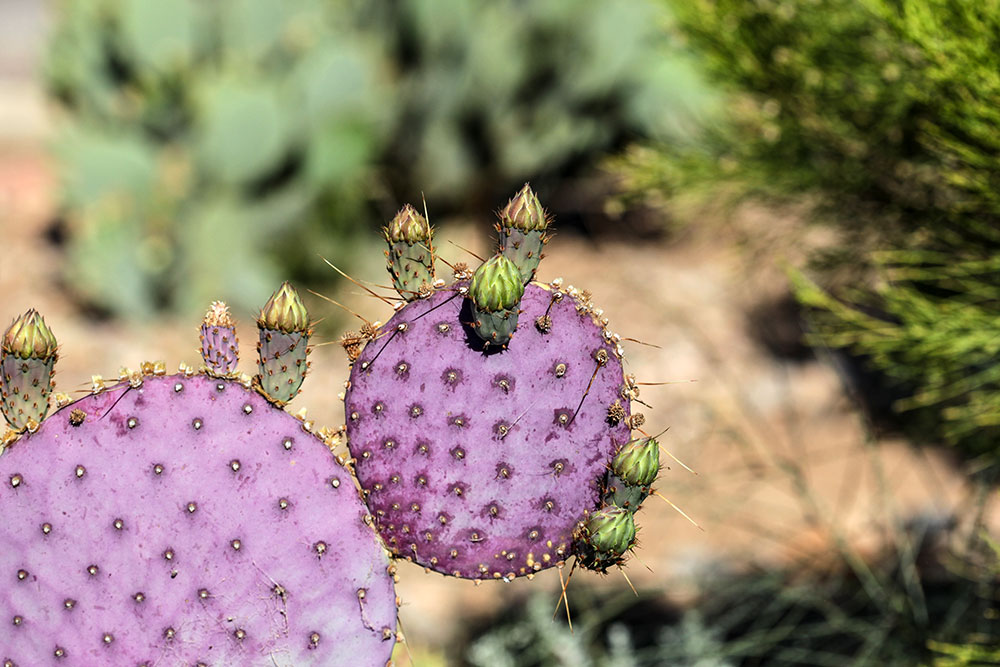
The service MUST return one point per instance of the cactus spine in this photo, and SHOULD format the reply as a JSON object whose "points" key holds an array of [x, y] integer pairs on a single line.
{"points": [[28, 356]]}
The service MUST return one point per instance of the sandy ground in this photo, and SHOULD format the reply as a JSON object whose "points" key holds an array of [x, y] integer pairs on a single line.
{"points": [[783, 462]]}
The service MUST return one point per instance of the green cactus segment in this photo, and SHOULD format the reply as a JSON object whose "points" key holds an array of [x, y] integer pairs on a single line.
{"points": [[284, 345], [411, 253], [495, 295], [27, 361], [605, 538], [220, 349], [633, 471], [522, 230]]}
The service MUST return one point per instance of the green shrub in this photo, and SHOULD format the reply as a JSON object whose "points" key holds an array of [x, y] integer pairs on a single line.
{"points": [[885, 113]]}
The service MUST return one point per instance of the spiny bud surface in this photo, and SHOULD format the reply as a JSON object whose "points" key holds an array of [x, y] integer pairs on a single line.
{"points": [[284, 311], [27, 363], [496, 285], [28, 337], [524, 211], [410, 256], [284, 345], [219, 345], [638, 462], [408, 227]]}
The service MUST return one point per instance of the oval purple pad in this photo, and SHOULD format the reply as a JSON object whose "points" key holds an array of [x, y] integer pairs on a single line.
{"points": [[186, 521], [481, 465]]}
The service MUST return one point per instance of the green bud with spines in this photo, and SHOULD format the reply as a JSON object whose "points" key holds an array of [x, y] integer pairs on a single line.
{"points": [[28, 356], [410, 257], [638, 462], [283, 326], [284, 311], [28, 337], [408, 226], [611, 531], [495, 292], [220, 347], [496, 285], [523, 232], [604, 538], [633, 471], [524, 212]]}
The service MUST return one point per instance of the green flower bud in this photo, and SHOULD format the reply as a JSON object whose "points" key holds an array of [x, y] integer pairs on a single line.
{"points": [[284, 311], [638, 462], [408, 226], [524, 212], [28, 337], [611, 531], [496, 285]]}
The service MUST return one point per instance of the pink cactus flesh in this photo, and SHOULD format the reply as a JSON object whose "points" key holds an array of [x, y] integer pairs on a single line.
{"points": [[186, 521], [482, 463]]}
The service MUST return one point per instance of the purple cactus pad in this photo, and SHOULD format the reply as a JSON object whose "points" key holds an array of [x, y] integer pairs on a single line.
{"points": [[481, 464], [186, 521]]}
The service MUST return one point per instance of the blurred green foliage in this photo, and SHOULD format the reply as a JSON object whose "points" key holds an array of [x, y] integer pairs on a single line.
{"points": [[884, 113], [202, 135], [898, 611], [495, 93], [211, 149]]}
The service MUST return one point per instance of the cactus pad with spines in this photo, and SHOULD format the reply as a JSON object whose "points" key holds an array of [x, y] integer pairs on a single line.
{"points": [[186, 520], [481, 465]]}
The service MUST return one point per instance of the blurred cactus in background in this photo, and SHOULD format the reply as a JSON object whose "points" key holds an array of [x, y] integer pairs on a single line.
{"points": [[210, 147], [883, 114], [200, 135], [494, 94]]}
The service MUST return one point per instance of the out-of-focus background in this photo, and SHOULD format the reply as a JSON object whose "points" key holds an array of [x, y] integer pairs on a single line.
{"points": [[796, 204]]}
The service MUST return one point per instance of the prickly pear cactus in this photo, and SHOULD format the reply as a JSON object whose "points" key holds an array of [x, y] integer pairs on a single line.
{"points": [[483, 456], [185, 519]]}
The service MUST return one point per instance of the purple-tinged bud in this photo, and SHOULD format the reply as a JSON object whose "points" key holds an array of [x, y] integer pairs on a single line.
{"points": [[220, 348]]}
